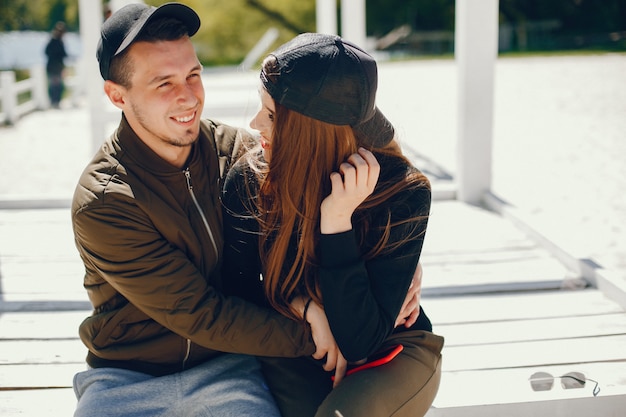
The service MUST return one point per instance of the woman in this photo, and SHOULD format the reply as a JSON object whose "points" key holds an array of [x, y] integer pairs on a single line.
{"points": [[333, 217]]}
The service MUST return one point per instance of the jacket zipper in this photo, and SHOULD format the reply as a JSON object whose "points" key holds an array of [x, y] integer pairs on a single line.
{"points": [[204, 220], [208, 229], [187, 354]]}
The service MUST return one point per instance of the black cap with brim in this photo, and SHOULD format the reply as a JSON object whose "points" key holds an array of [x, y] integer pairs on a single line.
{"points": [[376, 132], [330, 79], [122, 28]]}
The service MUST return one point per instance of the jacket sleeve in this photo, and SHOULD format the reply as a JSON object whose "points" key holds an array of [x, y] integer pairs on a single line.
{"points": [[363, 298], [165, 285]]}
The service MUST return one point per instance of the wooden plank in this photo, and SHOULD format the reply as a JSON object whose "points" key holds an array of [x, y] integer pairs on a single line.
{"points": [[62, 402], [39, 375], [38, 326], [43, 232], [517, 306], [9, 218], [493, 341], [44, 302], [59, 276], [470, 250], [532, 330], [39, 241], [458, 389], [513, 275], [48, 402], [455, 228], [534, 353], [502, 386], [16, 352], [496, 354], [456, 358], [40, 269], [609, 406]]}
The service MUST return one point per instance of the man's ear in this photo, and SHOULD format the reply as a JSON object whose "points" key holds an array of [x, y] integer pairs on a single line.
{"points": [[115, 92]]}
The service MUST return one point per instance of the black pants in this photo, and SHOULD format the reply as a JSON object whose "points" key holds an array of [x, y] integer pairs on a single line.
{"points": [[55, 88], [406, 386]]}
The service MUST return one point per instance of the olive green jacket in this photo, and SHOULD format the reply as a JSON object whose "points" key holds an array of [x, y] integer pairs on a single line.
{"points": [[150, 237]]}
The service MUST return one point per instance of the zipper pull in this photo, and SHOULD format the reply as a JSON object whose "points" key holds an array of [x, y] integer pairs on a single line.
{"points": [[187, 353], [188, 177]]}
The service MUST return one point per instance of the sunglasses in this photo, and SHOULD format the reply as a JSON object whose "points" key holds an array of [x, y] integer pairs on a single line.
{"points": [[543, 381]]}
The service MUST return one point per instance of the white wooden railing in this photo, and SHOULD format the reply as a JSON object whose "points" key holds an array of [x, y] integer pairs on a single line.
{"points": [[11, 110]]}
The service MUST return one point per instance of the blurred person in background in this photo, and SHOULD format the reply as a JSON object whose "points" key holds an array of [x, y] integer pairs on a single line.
{"points": [[55, 65]]}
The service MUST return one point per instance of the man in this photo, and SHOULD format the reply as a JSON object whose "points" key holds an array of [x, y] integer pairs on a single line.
{"points": [[55, 65], [147, 223]]}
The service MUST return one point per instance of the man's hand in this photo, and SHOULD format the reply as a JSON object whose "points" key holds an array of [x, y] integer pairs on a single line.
{"points": [[410, 310], [323, 337]]}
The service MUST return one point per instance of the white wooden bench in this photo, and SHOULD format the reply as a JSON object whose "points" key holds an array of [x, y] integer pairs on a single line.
{"points": [[498, 300], [490, 291]]}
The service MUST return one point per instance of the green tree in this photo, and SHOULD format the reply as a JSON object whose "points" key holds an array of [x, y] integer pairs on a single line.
{"points": [[37, 14], [230, 29], [385, 15]]}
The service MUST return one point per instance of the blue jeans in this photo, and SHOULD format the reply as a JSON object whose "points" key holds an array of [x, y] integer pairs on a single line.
{"points": [[229, 385]]}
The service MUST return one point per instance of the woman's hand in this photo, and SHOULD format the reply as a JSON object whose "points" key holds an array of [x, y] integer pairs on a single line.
{"points": [[350, 187], [323, 337], [410, 310]]}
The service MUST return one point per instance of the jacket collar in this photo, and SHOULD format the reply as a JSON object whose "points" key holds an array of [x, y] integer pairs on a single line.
{"points": [[141, 154]]}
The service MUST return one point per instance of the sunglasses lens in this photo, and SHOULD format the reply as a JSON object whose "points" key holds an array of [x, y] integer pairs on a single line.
{"points": [[573, 380], [541, 381]]}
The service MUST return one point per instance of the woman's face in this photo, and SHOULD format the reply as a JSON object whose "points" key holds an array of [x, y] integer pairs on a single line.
{"points": [[263, 121]]}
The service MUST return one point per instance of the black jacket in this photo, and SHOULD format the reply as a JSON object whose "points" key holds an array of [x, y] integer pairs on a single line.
{"points": [[361, 298]]}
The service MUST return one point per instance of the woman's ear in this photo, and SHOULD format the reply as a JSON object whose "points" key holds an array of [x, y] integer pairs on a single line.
{"points": [[115, 92]]}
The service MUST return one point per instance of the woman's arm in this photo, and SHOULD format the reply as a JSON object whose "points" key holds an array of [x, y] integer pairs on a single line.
{"points": [[362, 299]]}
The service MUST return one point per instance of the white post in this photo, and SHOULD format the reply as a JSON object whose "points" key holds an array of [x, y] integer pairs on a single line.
{"points": [[259, 48], [9, 97], [90, 14], [326, 16], [476, 50], [115, 5], [40, 87], [353, 22]]}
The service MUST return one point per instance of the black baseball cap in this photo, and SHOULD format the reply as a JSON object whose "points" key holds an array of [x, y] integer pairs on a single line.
{"points": [[122, 28], [330, 79]]}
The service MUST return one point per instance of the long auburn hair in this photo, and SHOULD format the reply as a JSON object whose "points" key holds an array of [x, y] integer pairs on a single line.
{"points": [[305, 151]]}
